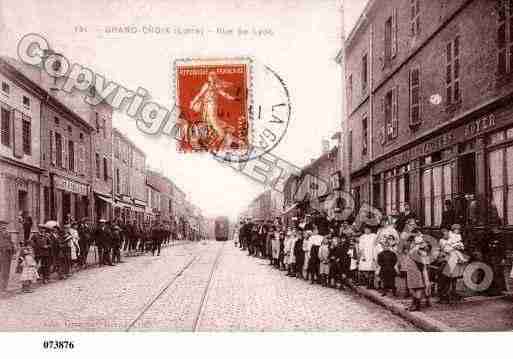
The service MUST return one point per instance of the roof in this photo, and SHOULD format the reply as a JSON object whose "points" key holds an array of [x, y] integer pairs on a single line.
{"points": [[31, 76], [359, 23], [129, 141]]}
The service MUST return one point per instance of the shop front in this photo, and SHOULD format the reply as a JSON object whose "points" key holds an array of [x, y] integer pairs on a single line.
{"points": [[71, 199], [20, 190], [103, 206], [468, 168]]}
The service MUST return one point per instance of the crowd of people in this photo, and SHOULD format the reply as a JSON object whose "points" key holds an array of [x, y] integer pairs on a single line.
{"points": [[379, 255], [59, 251]]}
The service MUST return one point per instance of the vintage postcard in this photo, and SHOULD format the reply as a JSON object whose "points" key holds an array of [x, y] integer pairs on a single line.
{"points": [[254, 166]]}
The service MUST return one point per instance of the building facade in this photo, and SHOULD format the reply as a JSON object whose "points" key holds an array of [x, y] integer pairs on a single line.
{"points": [[65, 158], [438, 112], [129, 179], [20, 161]]}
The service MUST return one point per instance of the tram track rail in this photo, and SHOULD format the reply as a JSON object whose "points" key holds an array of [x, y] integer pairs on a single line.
{"points": [[204, 294]]}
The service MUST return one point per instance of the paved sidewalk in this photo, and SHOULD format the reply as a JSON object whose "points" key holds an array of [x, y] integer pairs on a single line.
{"points": [[472, 314], [14, 286]]}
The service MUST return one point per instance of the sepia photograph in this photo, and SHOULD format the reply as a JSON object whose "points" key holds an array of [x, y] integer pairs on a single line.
{"points": [[280, 167]]}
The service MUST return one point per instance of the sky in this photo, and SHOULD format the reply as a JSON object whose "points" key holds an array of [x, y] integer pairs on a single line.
{"points": [[306, 37]]}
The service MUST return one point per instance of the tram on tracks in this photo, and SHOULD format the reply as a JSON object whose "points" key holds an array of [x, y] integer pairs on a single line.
{"points": [[222, 228]]}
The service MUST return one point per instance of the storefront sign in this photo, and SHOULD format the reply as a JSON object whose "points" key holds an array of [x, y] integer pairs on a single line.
{"points": [[447, 139], [71, 186]]}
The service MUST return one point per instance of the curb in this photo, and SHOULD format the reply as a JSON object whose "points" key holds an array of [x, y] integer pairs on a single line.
{"points": [[418, 319]]}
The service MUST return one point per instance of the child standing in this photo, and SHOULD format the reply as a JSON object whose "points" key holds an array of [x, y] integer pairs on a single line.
{"points": [[28, 268], [324, 261], [387, 260]]}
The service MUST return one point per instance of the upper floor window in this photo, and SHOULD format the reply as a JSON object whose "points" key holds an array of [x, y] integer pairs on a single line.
{"points": [[365, 73], [118, 181], [414, 85], [365, 136], [504, 37], [6, 89], [414, 17], [56, 120], [26, 102], [98, 167], [105, 169], [58, 150], [452, 73], [390, 48], [71, 156], [390, 109], [27, 135], [350, 149], [6, 127]]}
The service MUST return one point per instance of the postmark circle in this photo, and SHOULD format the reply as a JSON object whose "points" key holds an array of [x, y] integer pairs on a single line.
{"points": [[269, 115]]}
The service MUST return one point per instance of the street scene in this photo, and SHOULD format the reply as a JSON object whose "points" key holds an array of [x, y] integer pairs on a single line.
{"points": [[193, 176], [192, 287]]}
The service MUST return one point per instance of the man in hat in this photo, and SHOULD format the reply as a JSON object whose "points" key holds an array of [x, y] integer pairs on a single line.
{"points": [[157, 236], [403, 218], [42, 249], [84, 241], [6, 254], [102, 237]]}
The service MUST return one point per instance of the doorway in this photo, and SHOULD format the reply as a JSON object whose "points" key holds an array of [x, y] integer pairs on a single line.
{"points": [[467, 174], [66, 206]]}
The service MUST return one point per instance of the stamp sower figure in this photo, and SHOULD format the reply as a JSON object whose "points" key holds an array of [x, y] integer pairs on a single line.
{"points": [[6, 254], [206, 102]]}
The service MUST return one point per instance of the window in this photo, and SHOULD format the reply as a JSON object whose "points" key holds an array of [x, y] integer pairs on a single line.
{"points": [[390, 46], [365, 72], [390, 109], [71, 156], [500, 176], [105, 169], [365, 136], [27, 136], [6, 127], [396, 189], [26, 102], [414, 17], [436, 188], [81, 136], [350, 149], [414, 83], [504, 37], [98, 168], [6, 89], [118, 184], [58, 149], [452, 71]]}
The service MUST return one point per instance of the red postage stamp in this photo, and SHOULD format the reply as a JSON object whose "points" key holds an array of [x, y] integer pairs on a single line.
{"points": [[213, 101]]}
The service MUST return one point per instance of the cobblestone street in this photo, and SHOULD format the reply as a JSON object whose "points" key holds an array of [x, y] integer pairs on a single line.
{"points": [[209, 286]]}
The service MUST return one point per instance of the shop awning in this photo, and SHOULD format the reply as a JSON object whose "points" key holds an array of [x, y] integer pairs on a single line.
{"points": [[104, 198]]}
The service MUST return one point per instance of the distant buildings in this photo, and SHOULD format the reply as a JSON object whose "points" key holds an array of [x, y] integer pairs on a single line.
{"points": [[60, 159]]}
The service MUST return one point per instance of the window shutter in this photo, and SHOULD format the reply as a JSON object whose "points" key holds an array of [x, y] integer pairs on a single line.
{"points": [[81, 155], [18, 134], [64, 152], [410, 96], [52, 148], [395, 112], [394, 33]]}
